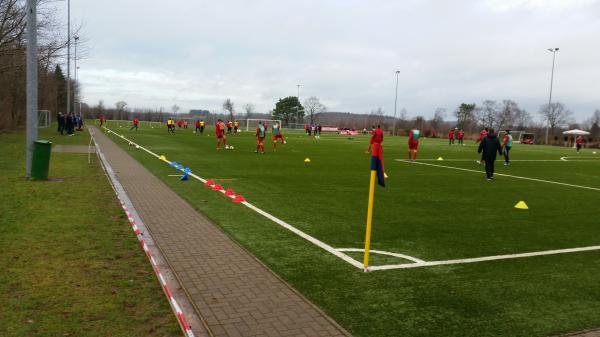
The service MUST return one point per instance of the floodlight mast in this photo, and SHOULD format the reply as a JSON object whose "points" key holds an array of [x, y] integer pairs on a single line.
{"points": [[553, 51], [32, 82], [395, 104]]}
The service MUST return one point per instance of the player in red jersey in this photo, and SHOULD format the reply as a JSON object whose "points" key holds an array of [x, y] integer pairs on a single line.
{"points": [[451, 137], [461, 136], [276, 129], [136, 123], [220, 131], [185, 123], [376, 137], [579, 143], [482, 135], [413, 143], [229, 126], [179, 123], [261, 132]]}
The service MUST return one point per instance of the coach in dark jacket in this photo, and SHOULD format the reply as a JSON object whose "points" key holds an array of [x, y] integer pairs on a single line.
{"points": [[490, 145]]}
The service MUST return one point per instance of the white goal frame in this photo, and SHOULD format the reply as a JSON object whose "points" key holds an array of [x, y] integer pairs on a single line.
{"points": [[44, 119], [269, 122], [518, 139]]}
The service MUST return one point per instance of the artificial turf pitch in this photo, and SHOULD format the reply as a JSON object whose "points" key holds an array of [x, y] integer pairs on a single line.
{"points": [[428, 212]]}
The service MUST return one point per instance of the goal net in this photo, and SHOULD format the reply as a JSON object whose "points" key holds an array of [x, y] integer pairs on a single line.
{"points": [[252, 124], [517, 135], [44, 119]]}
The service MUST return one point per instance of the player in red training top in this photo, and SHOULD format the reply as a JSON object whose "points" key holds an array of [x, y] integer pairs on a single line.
{"points": [[413, 143], [276, 129], [579, 143], [229, 126], [185, 123], [451, 137], [376, 137], [461, 136], [261, 132], [220, 130], [136, 122]]}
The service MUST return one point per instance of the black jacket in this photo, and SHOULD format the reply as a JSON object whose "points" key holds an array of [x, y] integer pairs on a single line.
{"points": [[490, 145]]}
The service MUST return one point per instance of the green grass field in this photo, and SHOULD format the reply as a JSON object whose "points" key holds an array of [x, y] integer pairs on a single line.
{"points": [[428, 212], [70, 263]]}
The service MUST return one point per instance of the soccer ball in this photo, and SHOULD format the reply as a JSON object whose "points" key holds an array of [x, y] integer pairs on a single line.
{"points": [[137, 146], [594, 152], [284, 142], [231, 147], [226, 147]]}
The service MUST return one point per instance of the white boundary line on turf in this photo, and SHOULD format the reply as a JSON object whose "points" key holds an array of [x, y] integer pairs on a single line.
{"points": [[500, 174], [485, 258], [382, 252], [278, 221]]}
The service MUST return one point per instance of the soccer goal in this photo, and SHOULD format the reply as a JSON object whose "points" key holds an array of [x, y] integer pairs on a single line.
{"points": [[518, 136], [44, 119], [253, 123]]}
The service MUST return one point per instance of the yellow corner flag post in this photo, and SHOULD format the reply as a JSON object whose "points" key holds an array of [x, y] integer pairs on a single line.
{"points": [[369, 219]]}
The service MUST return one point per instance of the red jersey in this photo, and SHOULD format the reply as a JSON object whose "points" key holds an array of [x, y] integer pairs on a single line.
{"points": [[220, 128], [579, 140], [197, 124], [461, 134], [136, 121], [377, 136], [185, 123], [228, 124], [451, 134], [179, 123]]}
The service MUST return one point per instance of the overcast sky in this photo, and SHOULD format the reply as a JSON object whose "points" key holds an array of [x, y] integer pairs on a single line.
{"points": [[194, 53]]}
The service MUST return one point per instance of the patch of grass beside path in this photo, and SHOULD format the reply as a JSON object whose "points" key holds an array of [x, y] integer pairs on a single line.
{"points": [[70, 263]]}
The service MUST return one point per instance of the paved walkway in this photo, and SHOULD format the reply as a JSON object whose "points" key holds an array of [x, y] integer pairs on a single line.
{"points": [[234, 293]]}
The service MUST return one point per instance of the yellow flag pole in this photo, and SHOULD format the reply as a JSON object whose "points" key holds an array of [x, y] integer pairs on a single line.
{"points": [[369, 219]]}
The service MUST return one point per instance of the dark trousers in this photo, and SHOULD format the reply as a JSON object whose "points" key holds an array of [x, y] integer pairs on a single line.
{"points": [[460, 140], [450, 140], [506, 154], [489, 167], [134, 127]]}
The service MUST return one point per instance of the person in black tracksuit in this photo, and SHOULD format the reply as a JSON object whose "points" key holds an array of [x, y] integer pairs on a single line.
{"points": [[489, 147]]}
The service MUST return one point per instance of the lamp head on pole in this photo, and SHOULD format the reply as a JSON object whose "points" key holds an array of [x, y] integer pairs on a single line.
{"points": [[397, 71]]}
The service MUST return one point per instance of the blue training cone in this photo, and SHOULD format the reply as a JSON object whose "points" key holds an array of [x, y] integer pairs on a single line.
{"points": [[179, 166], [184, 177], [174, 164], [187, 170]]}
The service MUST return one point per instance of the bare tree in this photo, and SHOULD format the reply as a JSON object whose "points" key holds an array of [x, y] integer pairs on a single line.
{"points": [[228, 106], [487, 113], [175, 109], [555, 115], [507, 114], [438, 118], [314, 106], [522, 119], [249, 109]]}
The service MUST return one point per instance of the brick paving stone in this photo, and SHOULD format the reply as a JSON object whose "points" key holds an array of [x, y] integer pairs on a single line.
{"points": [[234, 293]]}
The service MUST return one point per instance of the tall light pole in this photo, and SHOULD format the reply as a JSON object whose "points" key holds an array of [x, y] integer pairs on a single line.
{"points": [[76, 38], [32, 82], [395, 103], [68, 57], [298, 104], [553, 51]]}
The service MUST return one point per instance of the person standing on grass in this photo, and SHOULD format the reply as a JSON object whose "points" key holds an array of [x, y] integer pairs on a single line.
{"points": [[197, 130], [579, 142], [185, 123], [376, 138], [482, 136], [136, 122], [61, 123], [171, 126], [307, 129], [451, 137], [413, 144], [277, 135], [228, 126], [236, 126], [260, 136], [202, 124], [220, 131], [489, 147], [461, 136], [179, 123], [507, 143]]}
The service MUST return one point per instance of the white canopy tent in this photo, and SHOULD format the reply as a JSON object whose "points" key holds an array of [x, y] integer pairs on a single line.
{"points": [[576, 132]]}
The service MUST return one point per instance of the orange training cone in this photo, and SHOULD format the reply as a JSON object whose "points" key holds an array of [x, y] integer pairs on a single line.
{"points": [[229, 192]]}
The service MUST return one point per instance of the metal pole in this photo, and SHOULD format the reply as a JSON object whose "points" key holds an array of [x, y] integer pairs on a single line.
{"points": [[298, 105], [68, 57], [395, 104], [553, 50], [32, 82], [75, 88]]}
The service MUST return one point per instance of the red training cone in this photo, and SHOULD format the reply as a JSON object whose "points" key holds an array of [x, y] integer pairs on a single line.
{"points": [[217, 187], [238, 198], [229, 192], [209, 182]]}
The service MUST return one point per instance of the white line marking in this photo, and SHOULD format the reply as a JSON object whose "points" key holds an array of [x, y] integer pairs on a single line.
{"points": [[381, 252], [485, 258], [278, 221], [501, 174]]}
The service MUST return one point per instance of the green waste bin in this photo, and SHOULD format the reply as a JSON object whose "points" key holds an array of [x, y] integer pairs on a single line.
{"points": [[41, 159]]}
